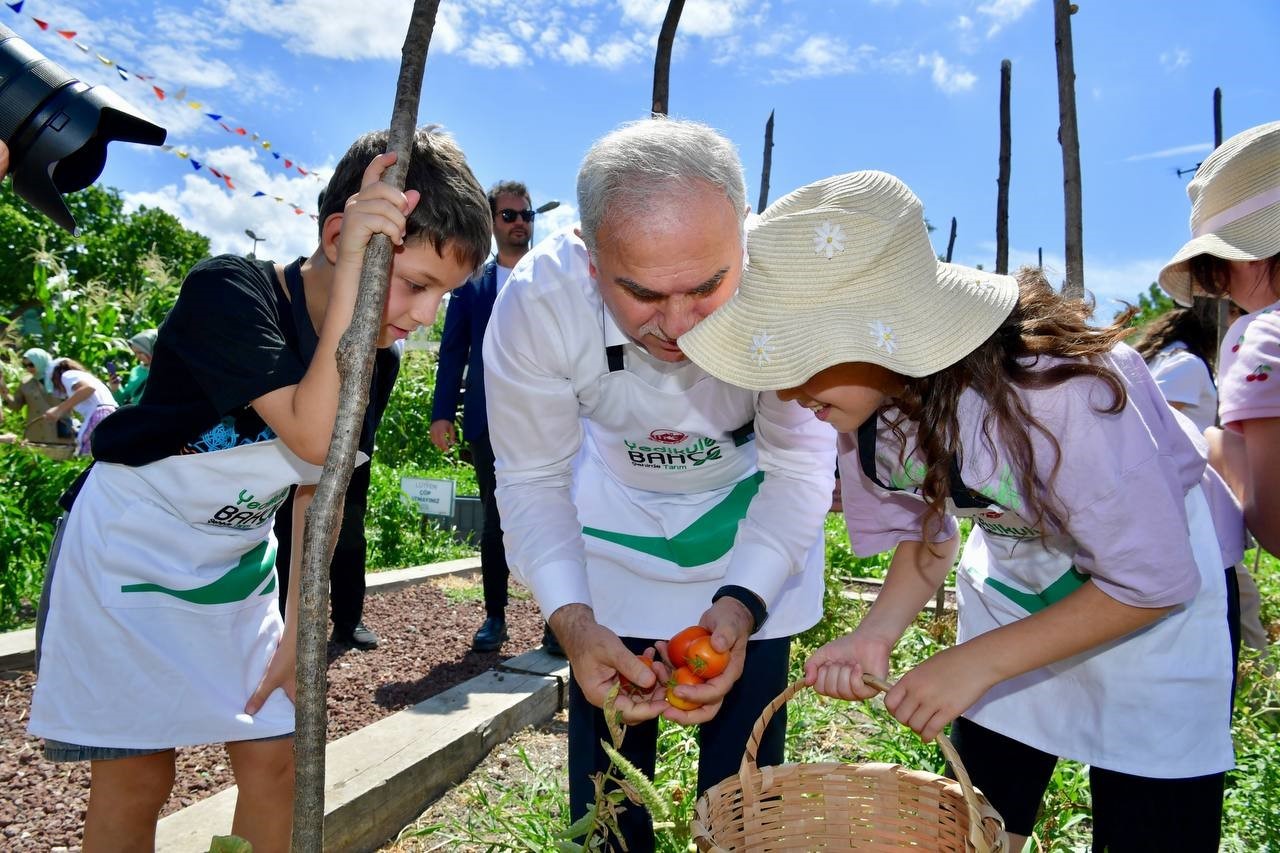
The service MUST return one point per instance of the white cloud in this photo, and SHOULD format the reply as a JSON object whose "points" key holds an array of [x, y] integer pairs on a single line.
{"points": [[821, 56], [1002, 13], [553, 220], [1172, 60], [336, 29], [1110, 281], [206, 206], [616, 53], [493, 49], [1196, 148], [947, 77], [575, 51]]}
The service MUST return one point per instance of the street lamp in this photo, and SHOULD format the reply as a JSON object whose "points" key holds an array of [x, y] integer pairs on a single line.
{"points": [[253, 253], [551, 205]]}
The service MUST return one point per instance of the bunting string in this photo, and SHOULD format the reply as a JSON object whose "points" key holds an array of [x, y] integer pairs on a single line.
{"points": [[245, 135]]}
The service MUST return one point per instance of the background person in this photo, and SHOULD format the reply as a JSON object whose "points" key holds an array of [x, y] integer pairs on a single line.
{"points": [[1096, 602], [1180, 347], [130, 390], [462, 353], [1234, 252], [640, 495], [35, 393], [170, 636], [84, 394]]}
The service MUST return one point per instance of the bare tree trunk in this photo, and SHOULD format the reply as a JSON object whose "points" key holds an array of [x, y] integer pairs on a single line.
{"points": [[662, 61], [355, 366], [1069, 139], [1224, 304], [1002, 182], [768, 165], [951, 241]]}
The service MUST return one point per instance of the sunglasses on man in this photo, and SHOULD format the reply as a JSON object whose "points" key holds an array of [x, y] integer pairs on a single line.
{"points": [[508, 215]]}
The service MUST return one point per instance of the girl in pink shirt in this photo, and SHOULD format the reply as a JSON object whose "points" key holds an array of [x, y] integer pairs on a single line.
{"points": [[1095, 596], [1234, 251]]}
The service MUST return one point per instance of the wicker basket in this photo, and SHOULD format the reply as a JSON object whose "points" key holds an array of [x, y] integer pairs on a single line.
{"points": [[834, 806]]}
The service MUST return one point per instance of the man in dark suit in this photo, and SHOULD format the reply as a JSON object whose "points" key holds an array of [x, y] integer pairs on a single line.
{"points": [[460, 353]]}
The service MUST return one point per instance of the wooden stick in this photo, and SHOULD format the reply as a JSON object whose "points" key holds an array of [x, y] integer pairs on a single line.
{"points": [[355, 366], [662, 60], [1069, 139], [1002, 181], [767, 168]]}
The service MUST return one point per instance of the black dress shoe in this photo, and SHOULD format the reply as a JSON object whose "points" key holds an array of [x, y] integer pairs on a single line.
{"points": [[491, 636], [360, 638], [550, 644]]}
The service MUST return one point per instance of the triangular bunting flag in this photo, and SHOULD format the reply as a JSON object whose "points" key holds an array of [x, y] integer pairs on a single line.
{"points": [[183, 154], [301, 171], [196, 163], [299, 211], [266, 146], [68, 35], [288, 164], [159, 92], [84, 48], [214, 116], [181, 94], [223, 125], [166, 148], [242, 131], [195, 105], [16, 7], [258, 194], [44, 25], [230, 185], [102, 58], [216, 173], [124, 75]]}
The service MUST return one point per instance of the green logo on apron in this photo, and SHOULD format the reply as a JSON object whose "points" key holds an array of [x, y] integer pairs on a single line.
{"points": [[237, 584], [1071, 580], [707, 539]]}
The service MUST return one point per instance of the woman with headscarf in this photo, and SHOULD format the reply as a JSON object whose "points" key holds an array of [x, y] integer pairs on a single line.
{"points": [[36, 394], [143, 345]]}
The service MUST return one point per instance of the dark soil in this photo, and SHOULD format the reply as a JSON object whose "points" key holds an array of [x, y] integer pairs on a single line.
{"points": [[425, 632]]}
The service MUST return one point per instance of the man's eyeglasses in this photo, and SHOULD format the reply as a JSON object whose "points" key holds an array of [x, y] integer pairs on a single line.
{"points": [[509, 215]]}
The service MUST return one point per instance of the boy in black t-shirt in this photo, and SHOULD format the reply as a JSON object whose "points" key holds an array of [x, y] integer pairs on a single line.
{"points": [[159, 618]]}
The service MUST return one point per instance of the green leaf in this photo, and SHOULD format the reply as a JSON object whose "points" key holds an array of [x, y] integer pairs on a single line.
{"points": [[229, 844]]}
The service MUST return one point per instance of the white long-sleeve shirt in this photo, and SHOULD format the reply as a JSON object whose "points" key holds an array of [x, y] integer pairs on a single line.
{"points": [[544, 358]]}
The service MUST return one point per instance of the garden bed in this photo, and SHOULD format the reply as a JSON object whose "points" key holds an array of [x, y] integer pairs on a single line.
{"points": [[426, 634]]}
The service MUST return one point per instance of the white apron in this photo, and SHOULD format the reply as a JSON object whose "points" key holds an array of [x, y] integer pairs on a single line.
{"points": [[1155, 703], [660, 500], [162, 606]]}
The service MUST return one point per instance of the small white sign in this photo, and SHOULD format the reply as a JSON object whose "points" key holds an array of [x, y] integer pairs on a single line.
{"points": [[433, 497]]}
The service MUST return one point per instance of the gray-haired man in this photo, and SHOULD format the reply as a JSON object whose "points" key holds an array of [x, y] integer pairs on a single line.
{"points": [[639, 495]]}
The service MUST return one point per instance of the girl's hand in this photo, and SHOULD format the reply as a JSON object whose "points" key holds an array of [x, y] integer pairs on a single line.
{"points": [[937, 691], [281, 673], [836, 669], [378, 208], [52, 414]]}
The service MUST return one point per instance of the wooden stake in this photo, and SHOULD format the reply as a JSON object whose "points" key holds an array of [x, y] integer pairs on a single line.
{"points": [[662, 60], [951, 241], [768, 165], [1002, 181], [1069, 139], [355, 366], [1223, 318]]}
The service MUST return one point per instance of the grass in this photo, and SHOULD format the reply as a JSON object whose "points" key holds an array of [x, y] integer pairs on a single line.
{"points": [[527, 815]]}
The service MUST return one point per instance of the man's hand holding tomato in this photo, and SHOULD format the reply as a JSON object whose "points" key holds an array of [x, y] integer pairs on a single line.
{"points": [[597, 658], [730, 624]]}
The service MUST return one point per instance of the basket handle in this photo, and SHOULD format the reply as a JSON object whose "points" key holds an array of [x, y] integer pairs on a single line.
{"points": [[749, 765]]}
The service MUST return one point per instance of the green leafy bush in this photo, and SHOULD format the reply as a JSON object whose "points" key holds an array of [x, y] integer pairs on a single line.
{"points": [[30, 484]]}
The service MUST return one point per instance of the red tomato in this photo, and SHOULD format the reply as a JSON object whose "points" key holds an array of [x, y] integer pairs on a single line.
{"points": [[703, 659], [682, 675], [625, 686], [678, 646]]}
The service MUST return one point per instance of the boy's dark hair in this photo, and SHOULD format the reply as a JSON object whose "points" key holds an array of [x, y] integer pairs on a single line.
{"points": [[452, 207], [507, 188]]}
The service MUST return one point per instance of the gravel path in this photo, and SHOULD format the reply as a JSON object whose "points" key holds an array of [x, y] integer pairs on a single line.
{"points": [[425, 633]]}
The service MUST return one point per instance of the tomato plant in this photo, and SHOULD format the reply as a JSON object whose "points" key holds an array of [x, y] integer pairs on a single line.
{"points": [[682, 675], [678, 646], [703, 659]]}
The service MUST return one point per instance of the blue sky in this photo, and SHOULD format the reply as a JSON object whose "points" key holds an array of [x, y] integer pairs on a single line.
{"points": [[907, 86]]}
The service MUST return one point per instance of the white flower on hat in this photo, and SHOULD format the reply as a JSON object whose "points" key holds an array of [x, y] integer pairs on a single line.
{"points": [[884, 337], [828, 239], [760, 348]]}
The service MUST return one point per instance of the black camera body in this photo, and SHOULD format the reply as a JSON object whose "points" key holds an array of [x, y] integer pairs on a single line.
{"points": [[57, 128]]}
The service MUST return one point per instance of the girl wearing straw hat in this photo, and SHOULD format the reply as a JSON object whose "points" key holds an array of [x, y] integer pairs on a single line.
{"points": [[1234, 251], [1092, 594]]}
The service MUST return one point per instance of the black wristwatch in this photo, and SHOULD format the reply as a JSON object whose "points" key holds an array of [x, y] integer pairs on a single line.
{"points": [[748, 599]]}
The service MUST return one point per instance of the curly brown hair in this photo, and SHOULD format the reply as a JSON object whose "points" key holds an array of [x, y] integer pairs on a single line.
{"points": [[1042, 323]]}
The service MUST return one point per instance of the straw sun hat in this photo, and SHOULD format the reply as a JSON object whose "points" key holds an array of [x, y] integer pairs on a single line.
{"points": [[1235, 207], [839, 271]]}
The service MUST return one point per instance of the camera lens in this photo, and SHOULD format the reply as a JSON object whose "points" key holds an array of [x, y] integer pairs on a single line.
{"points": [[57, 127]]}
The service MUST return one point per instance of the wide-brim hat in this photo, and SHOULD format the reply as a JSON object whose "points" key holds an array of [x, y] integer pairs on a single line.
{"points": [[842, 270], [1235, 207]]}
